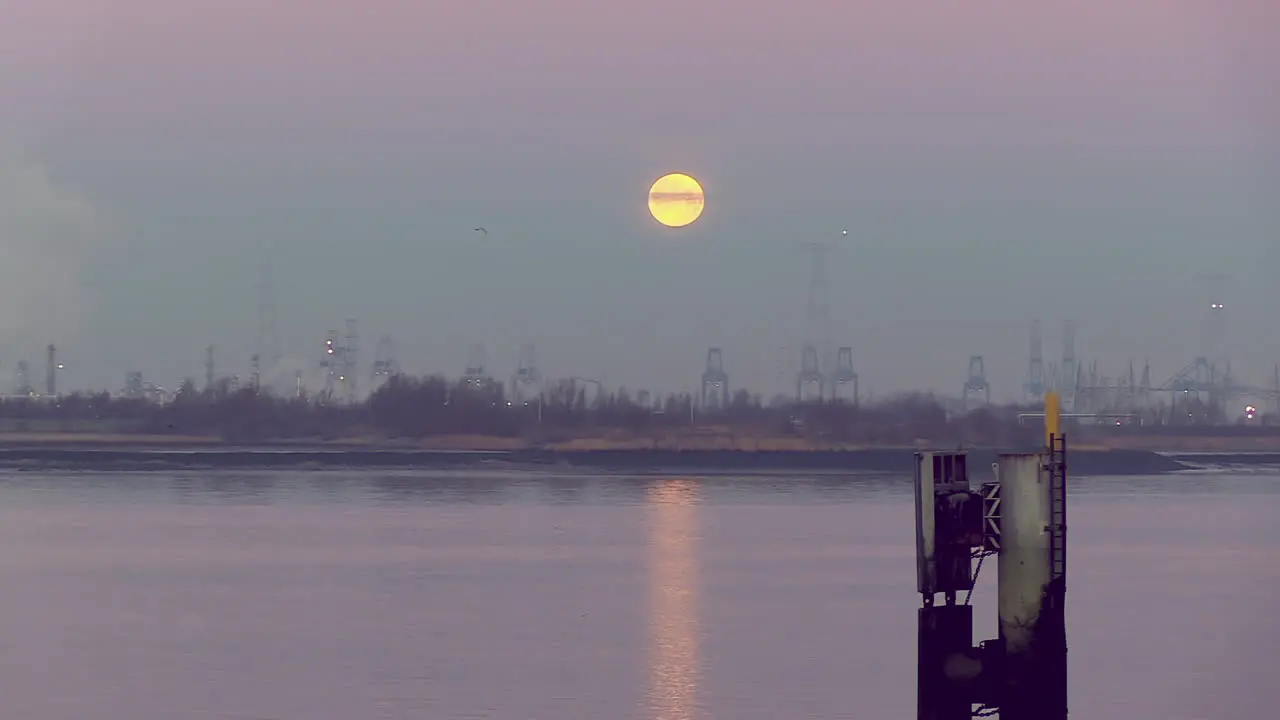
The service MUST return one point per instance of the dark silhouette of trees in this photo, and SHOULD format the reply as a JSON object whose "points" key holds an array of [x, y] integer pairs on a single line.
{"points": [[412, 408], [418, 407]]}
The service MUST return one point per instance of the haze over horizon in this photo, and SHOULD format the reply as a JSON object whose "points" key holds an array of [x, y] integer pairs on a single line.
{"points": [[994, 163]]}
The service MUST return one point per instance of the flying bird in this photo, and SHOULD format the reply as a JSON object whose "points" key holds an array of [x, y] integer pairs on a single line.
{"points": [[482, 230]]}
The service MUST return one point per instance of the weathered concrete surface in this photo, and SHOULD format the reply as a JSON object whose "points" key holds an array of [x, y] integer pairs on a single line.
{"points": [[1032, 625]]}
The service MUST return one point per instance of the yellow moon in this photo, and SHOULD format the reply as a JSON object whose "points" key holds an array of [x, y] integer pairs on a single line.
{"points": [[676, 200]]}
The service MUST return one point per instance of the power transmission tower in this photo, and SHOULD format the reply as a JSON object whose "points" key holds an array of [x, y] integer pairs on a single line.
{"points": [[527, 380], [715, 382], [815, 356], [268, 340], [818, 308], [209, 376]]}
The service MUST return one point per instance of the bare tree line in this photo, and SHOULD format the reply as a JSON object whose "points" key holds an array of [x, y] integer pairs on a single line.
{"points": [[407, 407]]}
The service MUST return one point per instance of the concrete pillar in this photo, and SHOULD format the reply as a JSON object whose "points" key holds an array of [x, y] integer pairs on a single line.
{"points": [[1032, 628]]}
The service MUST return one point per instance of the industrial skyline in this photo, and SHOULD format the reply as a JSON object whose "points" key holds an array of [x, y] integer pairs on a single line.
{"points": [[986, 179], [815, 368], [1084, 388]]}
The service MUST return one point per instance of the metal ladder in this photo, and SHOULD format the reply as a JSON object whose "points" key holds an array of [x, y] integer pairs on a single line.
{"points": [[1058, 505]]}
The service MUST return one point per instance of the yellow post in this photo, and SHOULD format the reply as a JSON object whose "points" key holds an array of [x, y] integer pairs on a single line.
{"points": [[1052, 418]]}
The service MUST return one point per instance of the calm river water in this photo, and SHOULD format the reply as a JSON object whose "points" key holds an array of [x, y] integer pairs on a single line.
{"points": [[342, 596]]}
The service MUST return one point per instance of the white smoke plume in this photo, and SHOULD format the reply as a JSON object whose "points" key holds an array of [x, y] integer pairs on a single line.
{"points": [[49, 236]]}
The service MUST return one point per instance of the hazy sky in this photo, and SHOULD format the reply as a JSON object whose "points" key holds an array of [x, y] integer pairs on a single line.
{"points": [[994, 162]]}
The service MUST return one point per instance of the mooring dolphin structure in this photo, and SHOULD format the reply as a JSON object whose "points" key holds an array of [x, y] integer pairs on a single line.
{"points": [[1020, 518]]}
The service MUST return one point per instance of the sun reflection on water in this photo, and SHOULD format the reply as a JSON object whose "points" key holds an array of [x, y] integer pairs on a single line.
{"points": [[673, 600]]}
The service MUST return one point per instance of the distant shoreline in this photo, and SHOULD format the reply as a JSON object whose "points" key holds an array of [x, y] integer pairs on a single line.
{"points": [[887, 460], [142, 453]]}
